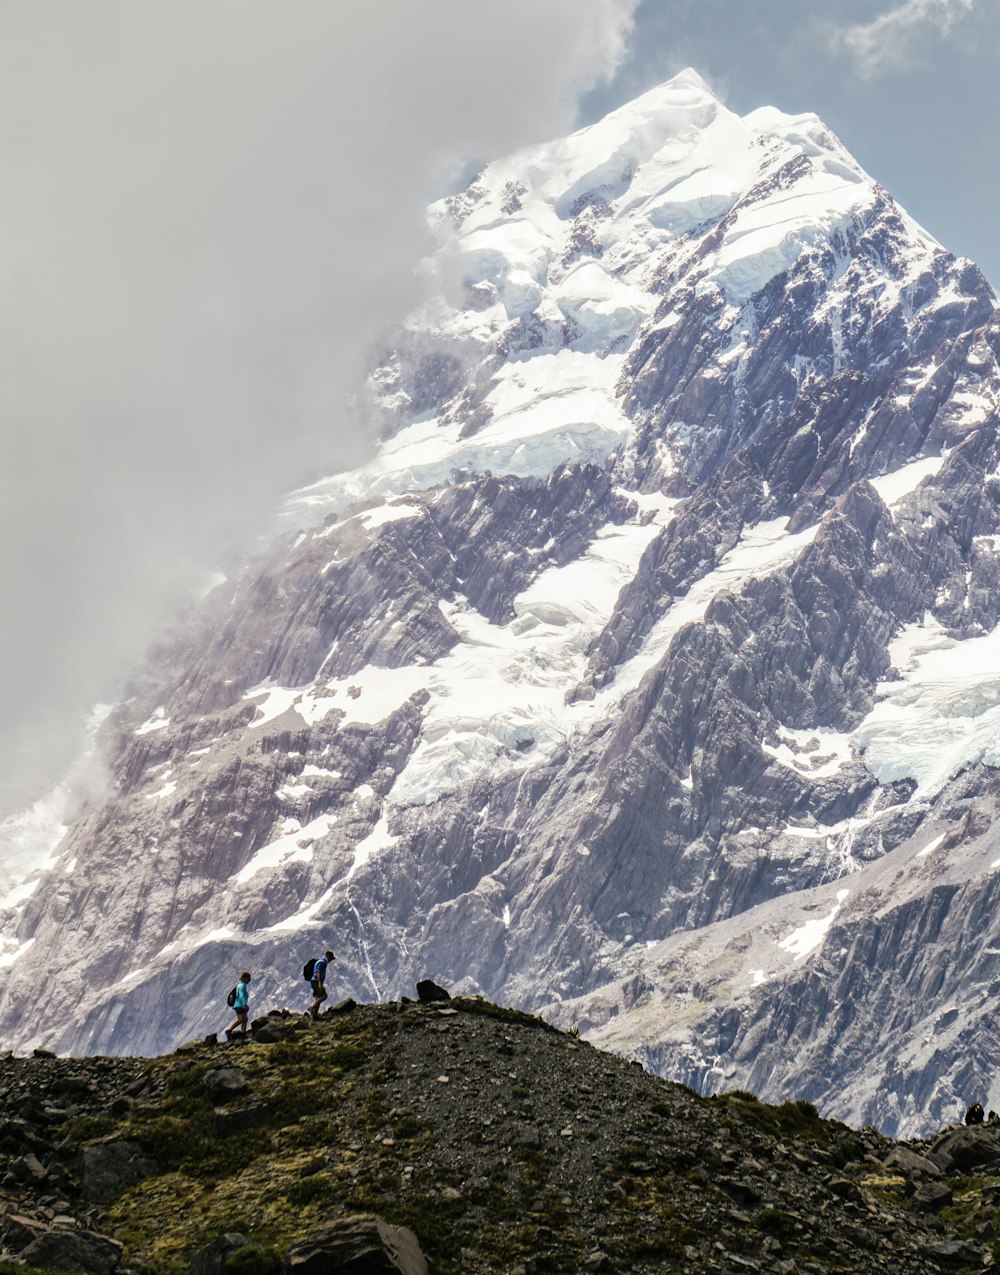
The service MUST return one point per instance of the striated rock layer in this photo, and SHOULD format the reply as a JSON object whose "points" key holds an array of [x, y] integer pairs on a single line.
{"points": [[648, 673]]}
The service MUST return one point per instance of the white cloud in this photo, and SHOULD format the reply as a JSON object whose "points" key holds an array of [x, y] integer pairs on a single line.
{"points": [[891, 39], [209, 212]]}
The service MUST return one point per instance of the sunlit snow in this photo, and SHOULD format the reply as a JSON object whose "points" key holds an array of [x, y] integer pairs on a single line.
{"points": [[893, 487], [942, 715], [294, 845], [809, 936]]}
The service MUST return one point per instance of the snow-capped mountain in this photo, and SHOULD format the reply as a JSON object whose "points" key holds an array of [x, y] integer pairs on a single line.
{"points": [[648, 673]]}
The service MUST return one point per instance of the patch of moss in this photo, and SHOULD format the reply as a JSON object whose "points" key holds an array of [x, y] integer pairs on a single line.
{"points": [[486, 1009], [15, 1268], [798, 1119], [407, 1127], [774, 1221], [253, 1260], [89, 1129], [307, 1190]]}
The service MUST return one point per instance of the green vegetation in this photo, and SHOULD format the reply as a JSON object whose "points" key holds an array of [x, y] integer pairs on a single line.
{"points": [[790, 1119], [498, 1147]]}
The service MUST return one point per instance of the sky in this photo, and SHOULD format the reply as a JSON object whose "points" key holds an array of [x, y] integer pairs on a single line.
{"points": [[909, 86], [211, 209]]}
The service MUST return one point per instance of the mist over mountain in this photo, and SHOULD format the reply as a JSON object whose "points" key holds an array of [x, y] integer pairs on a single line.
{"points": [[646, 675], [204, 238]]}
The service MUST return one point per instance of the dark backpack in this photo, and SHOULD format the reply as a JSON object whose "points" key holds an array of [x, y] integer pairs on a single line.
{"points": [[231, 998], [307, 970]]}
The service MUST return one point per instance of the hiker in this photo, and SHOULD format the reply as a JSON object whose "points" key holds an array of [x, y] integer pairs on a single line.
{"points": [[241, 1003], [318, 982], [975, 1114]]}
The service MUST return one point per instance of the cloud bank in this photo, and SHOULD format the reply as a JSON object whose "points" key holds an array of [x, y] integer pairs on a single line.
{"points": [[209, 213], [892, 39]]}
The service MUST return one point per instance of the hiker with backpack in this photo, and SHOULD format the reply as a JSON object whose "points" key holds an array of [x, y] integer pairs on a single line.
{"points": [[239, 1000], [315, 972]]}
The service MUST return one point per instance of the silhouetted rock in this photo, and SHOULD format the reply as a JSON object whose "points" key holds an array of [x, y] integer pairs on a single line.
{"points": [[429, 991]]}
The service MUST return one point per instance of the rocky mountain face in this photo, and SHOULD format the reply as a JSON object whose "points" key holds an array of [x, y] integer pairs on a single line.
{"points": [[648, 673], [449, 1135]]}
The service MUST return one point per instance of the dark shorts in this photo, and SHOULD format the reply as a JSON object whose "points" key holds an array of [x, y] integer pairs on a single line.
{"points": [[318, 991], [241, 1014]]}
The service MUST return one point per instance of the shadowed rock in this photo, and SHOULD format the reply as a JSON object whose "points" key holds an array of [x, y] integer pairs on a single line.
{"points": [[361, 1244]]}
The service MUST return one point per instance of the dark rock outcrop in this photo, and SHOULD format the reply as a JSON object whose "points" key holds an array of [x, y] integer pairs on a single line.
{"points": [[360, 1244]]}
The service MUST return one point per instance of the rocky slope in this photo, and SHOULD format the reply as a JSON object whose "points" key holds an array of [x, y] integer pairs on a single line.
{"points": [[495, 1141], [648, 673]]}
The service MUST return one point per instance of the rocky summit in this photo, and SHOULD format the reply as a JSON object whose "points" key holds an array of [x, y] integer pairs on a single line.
{"points": [[645, 677], [449, 1135]]}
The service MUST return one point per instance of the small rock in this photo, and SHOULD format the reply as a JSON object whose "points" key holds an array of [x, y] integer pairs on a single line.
{"points": [[28, 1168]]}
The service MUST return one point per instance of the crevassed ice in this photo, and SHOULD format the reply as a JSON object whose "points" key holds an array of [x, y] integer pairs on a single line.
{"points": [[505, 685], [942, 715]]}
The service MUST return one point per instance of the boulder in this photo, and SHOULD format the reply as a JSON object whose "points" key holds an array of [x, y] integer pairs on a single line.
{"points": [[211, 1260], [955, 1253], [242, 1118], [266, 1031], [69, 1250], [109, 1168], [429, 991], [224, 1080], [17, 1232], [932, 1196], [966, 1147], [911, 1164], [361, 1244]]}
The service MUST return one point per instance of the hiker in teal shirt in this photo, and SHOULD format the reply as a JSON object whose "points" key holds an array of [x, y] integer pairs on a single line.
{"points": [[241, 1003]]}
